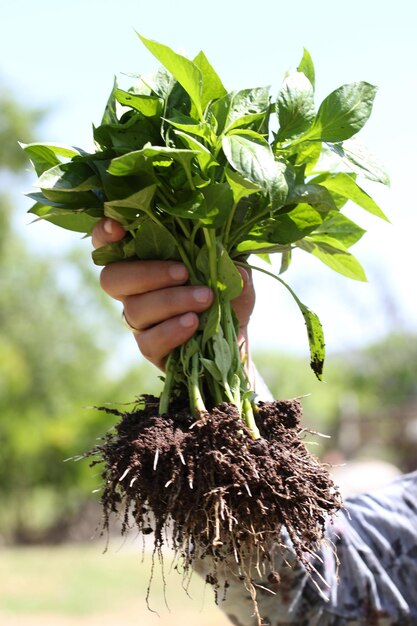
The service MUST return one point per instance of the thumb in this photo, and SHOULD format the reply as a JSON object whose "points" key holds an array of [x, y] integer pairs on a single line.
{"points": [[106, 231]]}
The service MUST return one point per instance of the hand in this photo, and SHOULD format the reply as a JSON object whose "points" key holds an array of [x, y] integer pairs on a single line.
{"points": [[157, 301]]}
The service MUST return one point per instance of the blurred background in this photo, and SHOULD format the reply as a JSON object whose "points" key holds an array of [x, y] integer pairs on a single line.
{"points": [[63, 350]]}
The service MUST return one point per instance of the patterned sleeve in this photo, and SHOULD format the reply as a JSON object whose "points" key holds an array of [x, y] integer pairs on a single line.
{"points": [[366, 570]]}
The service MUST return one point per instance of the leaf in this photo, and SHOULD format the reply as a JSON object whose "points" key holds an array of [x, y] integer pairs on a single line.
{"points": [[212, 86], [204, 156], [315, 195], [219, 202], [212, 369], [110, 114], [77, 220], [313, 325], [222, 354], [131, 206], [340, 227], [229, 279], [295, 106], [183, 70], [333, 254], [154, 241], [294, 225], [346, 186], [254, 160], [110, 253], [210, 321], [44, 156], [134, 162], [307, 67], [72, 177], [191, 126], [149, 106], [362, 160], [247, 103], [343, 113], [240, 186]]}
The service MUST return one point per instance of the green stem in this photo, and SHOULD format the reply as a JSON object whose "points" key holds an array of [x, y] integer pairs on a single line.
{"points": [[170, 371], [197, 405], [249, 419]]}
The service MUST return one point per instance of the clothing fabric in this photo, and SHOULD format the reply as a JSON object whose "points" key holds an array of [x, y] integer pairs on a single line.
{"points": [[365, 571]]}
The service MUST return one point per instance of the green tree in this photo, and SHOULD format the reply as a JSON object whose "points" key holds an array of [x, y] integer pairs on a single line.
{"points": [[55, 328]]}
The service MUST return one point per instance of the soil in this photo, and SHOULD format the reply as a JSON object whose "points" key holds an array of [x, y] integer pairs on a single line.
{"points": [[209, 490]]}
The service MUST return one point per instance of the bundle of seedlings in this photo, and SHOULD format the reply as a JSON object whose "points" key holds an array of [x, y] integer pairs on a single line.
{"points": [[208, 177]]}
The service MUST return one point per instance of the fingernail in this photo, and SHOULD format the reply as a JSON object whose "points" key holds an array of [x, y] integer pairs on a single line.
{"points": [[178, 271], [187, 320], [202, 294], [245, 274], [108, 226]]}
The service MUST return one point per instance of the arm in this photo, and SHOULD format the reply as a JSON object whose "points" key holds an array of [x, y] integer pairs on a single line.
{"points": [[368, 568]]}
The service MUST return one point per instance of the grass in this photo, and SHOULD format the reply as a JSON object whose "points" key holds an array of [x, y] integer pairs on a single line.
{"points": [[79, 585]]}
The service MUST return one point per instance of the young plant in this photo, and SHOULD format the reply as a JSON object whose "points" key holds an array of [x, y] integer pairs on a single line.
{"points": [[208, 177]]}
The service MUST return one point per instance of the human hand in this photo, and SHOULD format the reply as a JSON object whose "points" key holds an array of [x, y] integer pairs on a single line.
{"points": [[159, 305]]}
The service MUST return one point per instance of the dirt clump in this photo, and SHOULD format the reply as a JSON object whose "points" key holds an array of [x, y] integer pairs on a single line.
{"points": [[208, 483]]}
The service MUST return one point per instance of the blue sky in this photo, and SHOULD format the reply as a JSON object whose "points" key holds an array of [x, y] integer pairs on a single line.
{"points": [[63, 56]]}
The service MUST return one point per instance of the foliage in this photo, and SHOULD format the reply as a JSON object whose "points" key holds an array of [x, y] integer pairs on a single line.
{"points": [[53, 342], [198, 174]]}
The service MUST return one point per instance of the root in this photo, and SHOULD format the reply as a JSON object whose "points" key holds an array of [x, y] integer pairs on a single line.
{"points": [[213, 492]]}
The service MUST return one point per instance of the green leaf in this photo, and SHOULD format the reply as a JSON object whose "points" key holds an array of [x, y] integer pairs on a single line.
{"points": [[44, 156], [77, 220], [315, 195], [346, 186], [254, 160], [154, 241], [134, 162], [361, 160], [343, 113], [294, 225], [212, 86], [240, 186], [340, 227], [210, 321], [212, 369], [313, 325], [222, 354], [183, 70], [204, 156], [247, 105], [110, 253], [149, 106], [333, 254], [128, 208], [295, 106], [229, 280], [191, 126], [72, 177], [307, 67], [110, 114], [219, 202]]}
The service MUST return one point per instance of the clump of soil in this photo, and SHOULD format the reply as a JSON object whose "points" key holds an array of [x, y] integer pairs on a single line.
{"points": [[208, 484]]}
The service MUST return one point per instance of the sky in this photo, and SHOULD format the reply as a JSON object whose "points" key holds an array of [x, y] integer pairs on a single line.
{"points": [[63, 57]]}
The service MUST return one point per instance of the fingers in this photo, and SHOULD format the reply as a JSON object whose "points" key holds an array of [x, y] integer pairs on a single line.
{"points": [[152, 308], [243, 305], [107, 231], [120, 280], [156, 343]]}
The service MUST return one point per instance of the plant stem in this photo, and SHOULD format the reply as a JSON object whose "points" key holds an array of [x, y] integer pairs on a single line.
{"points": [[197, 405], [170, 370]]}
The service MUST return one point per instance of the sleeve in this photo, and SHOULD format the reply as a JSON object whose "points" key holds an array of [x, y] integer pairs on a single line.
{"points": [[365, 571]]}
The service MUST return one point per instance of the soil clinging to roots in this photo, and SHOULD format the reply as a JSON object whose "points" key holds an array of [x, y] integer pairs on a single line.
{"points": [[207, 484]]}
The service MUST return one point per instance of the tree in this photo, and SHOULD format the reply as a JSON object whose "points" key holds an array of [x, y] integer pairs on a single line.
{"points": [[54, 322]]}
